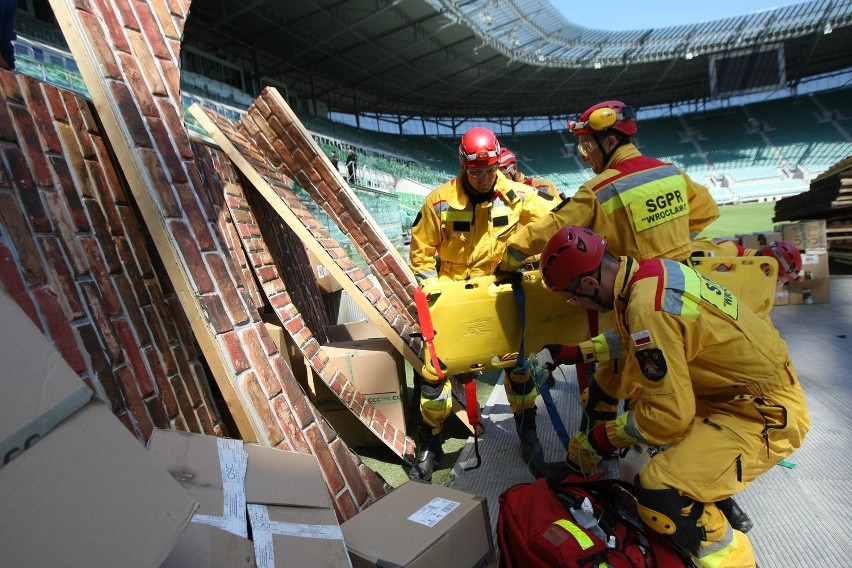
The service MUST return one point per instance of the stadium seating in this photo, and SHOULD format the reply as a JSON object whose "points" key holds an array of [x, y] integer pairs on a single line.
{"points": [[763, 150]]}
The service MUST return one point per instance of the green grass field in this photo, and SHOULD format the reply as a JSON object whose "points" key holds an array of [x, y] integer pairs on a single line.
{"points": [[742, 218]]}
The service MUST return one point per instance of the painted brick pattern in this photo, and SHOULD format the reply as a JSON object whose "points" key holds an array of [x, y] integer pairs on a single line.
{"points": [[72, 255], [128, 54], [279, 297], [279, 134], [400, 321]]}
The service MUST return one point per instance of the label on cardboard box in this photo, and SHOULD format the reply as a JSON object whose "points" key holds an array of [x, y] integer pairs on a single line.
{"points": [[233, 459], [434, 511]]}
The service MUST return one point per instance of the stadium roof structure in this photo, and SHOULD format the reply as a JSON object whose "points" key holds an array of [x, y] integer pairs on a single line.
{"points": [[510, 58]]}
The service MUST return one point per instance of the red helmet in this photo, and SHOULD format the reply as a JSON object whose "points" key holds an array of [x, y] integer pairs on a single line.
{"points": [[788, 256], [572, 251], [507, 158], [607, 115], [479, 148]]}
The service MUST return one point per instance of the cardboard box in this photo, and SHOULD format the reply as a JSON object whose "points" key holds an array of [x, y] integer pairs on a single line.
{"points": [[353, 331], [377, 370], [353, 431], [326, 282], [420, 525], [75, 486], [782, 297], [756, 241], [278, 497], [806, 235], [373, 365], [300, 366]]}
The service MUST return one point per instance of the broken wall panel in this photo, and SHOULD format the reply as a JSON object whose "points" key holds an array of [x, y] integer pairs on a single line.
{"points": [[276, 130], [74, 257], [254, 164], [128, 56], [280, 298]]}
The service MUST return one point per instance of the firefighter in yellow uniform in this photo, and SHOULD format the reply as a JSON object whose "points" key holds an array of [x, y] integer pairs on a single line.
{"points": [[644, 207], [465, 223], [709, 380], [509, 166]]}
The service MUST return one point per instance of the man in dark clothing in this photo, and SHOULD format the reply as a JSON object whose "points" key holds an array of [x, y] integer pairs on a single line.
{"points": [[351, 166]]}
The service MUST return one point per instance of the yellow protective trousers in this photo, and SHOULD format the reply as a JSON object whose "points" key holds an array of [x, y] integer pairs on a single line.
{"points": [[520, 391], [729, 445]]}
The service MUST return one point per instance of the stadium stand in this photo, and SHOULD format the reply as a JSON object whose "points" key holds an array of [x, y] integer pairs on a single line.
{"points": [[758, 151]]}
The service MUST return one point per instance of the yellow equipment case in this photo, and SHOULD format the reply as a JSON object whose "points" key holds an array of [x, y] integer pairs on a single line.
{"points": [[478, 326]]}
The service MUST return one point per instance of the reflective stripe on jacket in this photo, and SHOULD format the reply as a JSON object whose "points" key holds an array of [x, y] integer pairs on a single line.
{"points": [[643, 207]]}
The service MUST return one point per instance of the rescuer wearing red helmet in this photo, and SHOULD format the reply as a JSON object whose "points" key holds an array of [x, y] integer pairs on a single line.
{"points": [[644, 207], [465, 223], [508, 164], [708, 380]]}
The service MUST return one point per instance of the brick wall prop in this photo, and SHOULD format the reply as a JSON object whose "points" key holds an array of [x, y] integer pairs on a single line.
{"points": [[310, 230], [73, 256], [282, 144], [254, 164], [276, 130], [128, 54]]}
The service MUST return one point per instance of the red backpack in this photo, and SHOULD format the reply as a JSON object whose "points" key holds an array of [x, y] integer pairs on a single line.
{"points": [[578, 523]]}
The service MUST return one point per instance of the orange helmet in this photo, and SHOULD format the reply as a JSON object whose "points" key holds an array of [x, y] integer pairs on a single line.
{"points": [[479, 148], [572, 251], [607, 115], [788, 256], [507, 158]]}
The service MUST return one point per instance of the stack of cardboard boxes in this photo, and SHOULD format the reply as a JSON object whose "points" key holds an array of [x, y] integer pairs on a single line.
{"points": [[809, 237], [78, 489]]}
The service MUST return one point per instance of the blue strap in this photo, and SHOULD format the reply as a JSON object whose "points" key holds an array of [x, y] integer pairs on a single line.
{"points": [[522, 364]]}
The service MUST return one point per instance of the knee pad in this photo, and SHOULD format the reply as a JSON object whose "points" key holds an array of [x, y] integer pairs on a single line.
{"points": [[431, 391], [662, 511], [520, 384]]}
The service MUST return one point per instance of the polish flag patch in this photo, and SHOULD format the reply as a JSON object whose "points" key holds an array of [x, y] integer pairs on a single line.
{"points": [[641, 338]]}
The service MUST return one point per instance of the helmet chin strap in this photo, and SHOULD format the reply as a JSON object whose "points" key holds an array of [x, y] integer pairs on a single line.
{"points": [[596, 297], [607, 155]]}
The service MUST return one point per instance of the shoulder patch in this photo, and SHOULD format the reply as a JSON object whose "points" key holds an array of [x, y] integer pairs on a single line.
{"points": [[652, 364], [642, 338]]}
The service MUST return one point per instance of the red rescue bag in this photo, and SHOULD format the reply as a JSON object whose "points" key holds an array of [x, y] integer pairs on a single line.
{"points": [[578, 523]]}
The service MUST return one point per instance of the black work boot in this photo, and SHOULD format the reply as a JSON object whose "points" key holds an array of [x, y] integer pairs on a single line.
{"points": [[430, 454], [530, 444], [738, 518]]}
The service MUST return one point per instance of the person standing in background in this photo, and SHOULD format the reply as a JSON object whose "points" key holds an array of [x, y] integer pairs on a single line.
{"points": [[334, 160], [8, 13], [351, 166]]}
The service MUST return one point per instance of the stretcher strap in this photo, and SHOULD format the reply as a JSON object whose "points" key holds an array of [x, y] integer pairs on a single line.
{"points": [[426, 330], [521, 363]]}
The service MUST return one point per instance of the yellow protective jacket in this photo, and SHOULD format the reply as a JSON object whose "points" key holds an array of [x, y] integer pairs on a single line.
{"points": [[691, 349], [545, 188], [470, 239], [643, 207]]}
